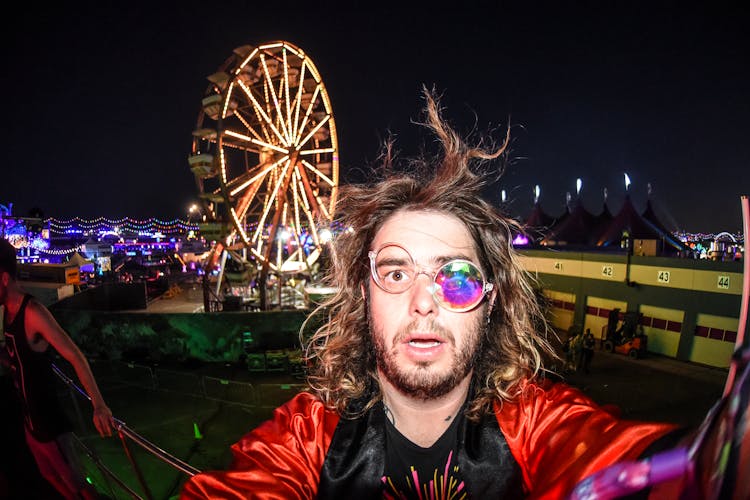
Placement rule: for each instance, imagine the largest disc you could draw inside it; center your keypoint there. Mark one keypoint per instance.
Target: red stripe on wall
(701, 331)
(730, 336)
(661, 324)
(674, 326)
(716, 334)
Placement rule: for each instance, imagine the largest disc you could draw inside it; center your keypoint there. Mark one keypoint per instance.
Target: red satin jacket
(556, 434)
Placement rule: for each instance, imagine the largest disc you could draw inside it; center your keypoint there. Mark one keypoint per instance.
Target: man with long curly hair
(427, 380)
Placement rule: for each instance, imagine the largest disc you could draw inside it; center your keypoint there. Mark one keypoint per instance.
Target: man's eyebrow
(444, 259)
(392, 261)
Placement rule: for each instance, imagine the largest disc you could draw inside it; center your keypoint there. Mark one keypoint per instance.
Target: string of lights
(124, 224)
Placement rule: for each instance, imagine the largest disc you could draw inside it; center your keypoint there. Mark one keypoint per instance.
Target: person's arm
(559, 436)
(41, 321)
(281, 458)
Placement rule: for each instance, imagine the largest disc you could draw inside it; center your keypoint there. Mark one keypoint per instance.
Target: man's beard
(421, 382)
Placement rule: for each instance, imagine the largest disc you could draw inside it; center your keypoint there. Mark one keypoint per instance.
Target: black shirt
(35, 381)
(412, 471)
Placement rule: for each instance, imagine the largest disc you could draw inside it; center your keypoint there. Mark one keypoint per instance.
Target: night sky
(101, 98)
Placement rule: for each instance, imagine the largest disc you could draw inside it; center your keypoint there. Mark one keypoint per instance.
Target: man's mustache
(424, 326)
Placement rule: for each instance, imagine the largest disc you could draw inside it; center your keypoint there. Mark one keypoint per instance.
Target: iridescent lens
(459, 285)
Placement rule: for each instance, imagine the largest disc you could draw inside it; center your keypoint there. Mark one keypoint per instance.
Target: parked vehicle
(629, 338)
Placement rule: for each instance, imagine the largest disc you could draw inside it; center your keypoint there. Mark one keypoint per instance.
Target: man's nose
(422, 301)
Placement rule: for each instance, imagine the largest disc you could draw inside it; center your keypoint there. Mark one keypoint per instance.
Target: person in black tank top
(34, 381)
(30, 334)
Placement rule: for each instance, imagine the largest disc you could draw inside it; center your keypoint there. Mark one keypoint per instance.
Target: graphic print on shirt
(443, 485)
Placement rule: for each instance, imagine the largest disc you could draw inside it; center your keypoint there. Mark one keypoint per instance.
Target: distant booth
(49, 283)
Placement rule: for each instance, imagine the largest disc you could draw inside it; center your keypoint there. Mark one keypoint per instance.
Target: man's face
(422, 349)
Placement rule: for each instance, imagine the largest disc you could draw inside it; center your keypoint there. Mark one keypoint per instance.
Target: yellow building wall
(562, 309)
(662, 326)
(597, 314)
(713, 343)
(668, 277)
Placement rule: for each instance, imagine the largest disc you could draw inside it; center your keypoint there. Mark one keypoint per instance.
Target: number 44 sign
(723, 282)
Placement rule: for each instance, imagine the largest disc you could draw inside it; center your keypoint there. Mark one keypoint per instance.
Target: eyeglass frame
(487, 286)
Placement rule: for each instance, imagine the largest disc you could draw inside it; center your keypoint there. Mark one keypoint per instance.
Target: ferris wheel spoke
(260, 256)
(298, 99)
(240, 183)
(244, 203)
(272, 198)
(274, 97)
(240, 116)
(245, 141)
(312, 200)
(265, 118)
(310, 219)
(308, 113)
(239, 225)
(286, 94)
(323, 208)
(313, 131)
(317, 172)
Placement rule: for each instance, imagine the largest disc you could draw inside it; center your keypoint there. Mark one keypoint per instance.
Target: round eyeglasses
(457, 286)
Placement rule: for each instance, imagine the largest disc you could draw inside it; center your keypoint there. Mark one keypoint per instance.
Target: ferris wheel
(265, 159)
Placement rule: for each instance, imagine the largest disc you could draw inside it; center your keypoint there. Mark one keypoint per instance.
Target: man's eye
(396, 276)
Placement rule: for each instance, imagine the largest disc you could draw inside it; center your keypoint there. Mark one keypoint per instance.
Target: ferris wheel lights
(257, 176)
(261, 111)
(316, 151)
(249, 57)
(278, 117)
(269, 146)
(318, 172)
(325, 235)
(314, 130)
(272, 45)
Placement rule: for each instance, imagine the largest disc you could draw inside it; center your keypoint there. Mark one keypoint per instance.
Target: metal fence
(224, 390)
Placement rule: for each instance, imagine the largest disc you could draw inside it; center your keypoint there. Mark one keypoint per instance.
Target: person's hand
(103, 420)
